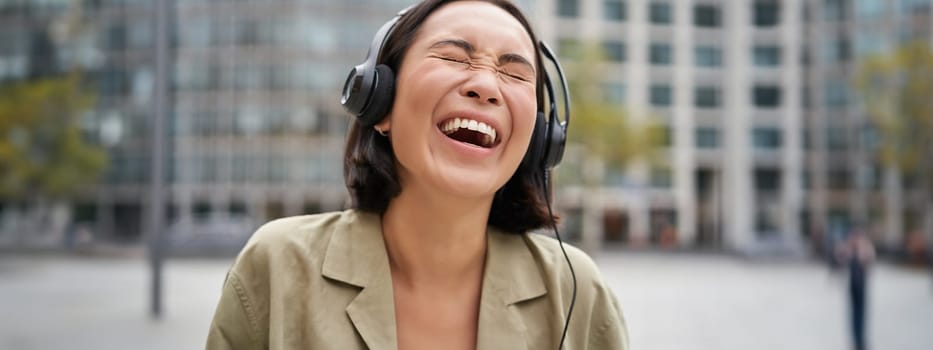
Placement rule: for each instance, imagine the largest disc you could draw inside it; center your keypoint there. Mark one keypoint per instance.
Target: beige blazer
(323, 282)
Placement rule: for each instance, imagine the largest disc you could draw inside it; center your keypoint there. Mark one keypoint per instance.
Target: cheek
(419, 83)
(524, 108)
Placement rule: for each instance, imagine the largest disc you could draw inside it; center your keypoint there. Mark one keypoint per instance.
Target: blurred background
(721, 153)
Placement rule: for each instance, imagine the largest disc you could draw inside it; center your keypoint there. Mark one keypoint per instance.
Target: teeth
(453, 125)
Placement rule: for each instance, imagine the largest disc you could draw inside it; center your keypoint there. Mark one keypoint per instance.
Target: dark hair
(369, 160)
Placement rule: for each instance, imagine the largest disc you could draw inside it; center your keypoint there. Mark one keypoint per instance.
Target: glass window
(278, 169)
(113, 82)
(661, 95)
(874, 177)
(767, 56)
(870, 43)
(182, 78)
(707, 138)
(614, 10)
(259, 169)
(568, 8)
(179, 172)
(916, 6)
(836, 93)
(247, 33)
(205, 169)
(767, 96)
(241, 168)
(767, 179)
(708, 56)
(614, 92)
(836, 139)
(661, 54)
(116, 37)
(249, 77)
(204, 122)
(223, 32)
(12, 41)
(707, 97)
(869, 137)
(767, 13)
(834, 10)
(839, 179)
(836, 51)
(869, 9)
(318, 35)
(766, 138)
(660, 13)
(248, 120)
(706, 16)
(140, 35)
(615, 51)
(661, 177)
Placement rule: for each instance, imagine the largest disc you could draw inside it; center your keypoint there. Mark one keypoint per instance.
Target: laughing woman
(436, 252)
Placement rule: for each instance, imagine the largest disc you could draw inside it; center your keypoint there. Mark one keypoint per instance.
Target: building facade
(768, 148)
(256, 129)
(847, 182)
(763, 130)
(723, 79)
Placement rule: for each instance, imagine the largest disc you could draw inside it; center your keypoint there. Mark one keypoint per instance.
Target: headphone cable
(573, 298)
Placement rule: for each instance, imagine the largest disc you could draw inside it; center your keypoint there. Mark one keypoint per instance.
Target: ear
(385, 124)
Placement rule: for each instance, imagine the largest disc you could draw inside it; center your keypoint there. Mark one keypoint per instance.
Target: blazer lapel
(356, 255)
(511, 277)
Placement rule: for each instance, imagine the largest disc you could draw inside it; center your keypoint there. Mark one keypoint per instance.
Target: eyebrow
(466, 46)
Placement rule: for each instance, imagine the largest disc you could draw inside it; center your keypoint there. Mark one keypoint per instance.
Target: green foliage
(604, 128)
(896, 91)
(42, 152)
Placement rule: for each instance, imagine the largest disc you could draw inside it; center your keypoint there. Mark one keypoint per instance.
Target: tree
(43, 155)
(895, 90)
(604, 134)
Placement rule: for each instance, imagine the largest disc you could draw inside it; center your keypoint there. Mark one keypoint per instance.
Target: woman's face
(465, 102)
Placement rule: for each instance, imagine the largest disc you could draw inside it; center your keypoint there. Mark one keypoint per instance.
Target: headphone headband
(557, 129)
(363, 77)
(369, 91)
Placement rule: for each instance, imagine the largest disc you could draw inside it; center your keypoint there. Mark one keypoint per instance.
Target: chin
(470, 184)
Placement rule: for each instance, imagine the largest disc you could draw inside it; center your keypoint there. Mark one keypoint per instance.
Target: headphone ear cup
(381, 97)
(555, 142)
(534, 156)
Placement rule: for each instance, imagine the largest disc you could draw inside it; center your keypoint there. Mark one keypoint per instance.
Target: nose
(483, 85)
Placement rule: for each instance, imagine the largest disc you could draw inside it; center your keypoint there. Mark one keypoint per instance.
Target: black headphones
(369, 92)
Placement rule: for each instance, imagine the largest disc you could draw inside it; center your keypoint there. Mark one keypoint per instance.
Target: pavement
(670, 301)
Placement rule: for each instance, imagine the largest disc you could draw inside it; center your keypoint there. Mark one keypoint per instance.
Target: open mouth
(469, 131)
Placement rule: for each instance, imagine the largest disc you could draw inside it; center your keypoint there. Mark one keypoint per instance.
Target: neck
(439, 242)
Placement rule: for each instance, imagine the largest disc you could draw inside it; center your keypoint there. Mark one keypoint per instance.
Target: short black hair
(369, 160)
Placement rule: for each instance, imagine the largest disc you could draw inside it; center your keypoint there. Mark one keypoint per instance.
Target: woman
(435, 253)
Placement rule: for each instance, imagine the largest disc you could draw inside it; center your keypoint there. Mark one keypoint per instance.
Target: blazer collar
(356, 255)
(511, 269)
(512, 276)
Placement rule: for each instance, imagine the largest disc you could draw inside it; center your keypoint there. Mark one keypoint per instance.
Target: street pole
(157, 180)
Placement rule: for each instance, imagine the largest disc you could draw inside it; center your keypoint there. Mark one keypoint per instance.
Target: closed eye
(452, 59)
(515, 76)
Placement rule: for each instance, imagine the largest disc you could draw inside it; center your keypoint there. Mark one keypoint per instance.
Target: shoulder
(597, 312)
(550, 255)
(288, 229)
(303, 237)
